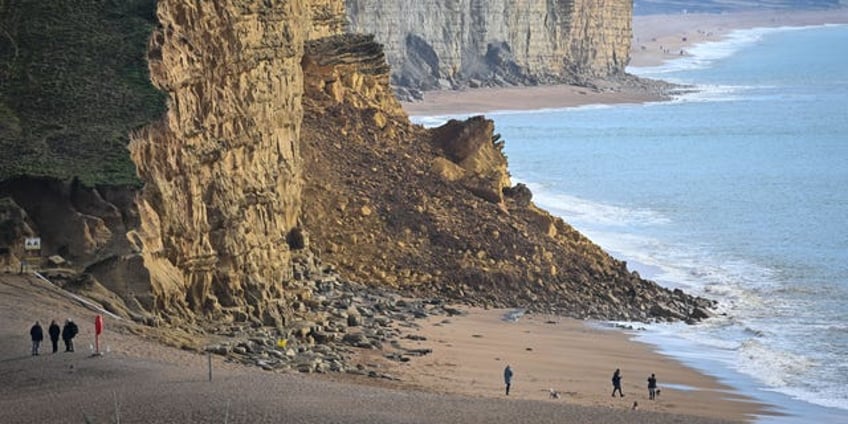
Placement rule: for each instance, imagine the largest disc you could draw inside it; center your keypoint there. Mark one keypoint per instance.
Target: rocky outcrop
(352, 69)
(451, 44)
(473, 157)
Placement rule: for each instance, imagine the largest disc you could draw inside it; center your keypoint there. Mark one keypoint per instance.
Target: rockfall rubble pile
(334, 317)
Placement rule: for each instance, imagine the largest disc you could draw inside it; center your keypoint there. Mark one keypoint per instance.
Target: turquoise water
(738, 192)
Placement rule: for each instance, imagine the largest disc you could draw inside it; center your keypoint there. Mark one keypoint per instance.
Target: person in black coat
(68, 332)
(54, 332)
(37, 335)
(616, 383)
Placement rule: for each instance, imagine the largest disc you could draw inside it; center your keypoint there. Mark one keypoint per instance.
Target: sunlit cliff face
(222, 170)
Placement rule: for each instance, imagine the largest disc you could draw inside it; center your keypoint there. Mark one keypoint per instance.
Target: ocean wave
(775, 368)
(577, 210)
(434, 120)
(715, 93)
(831, 396)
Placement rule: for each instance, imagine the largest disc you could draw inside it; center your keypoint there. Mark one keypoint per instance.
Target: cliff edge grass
(73, 84)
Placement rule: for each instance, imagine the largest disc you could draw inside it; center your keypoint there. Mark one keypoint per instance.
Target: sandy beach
(575, 359)
(138, 380)
(656, 39)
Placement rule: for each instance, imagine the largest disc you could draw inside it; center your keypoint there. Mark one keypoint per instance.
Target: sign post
(98, 328)
(32, 243)
(32, 247)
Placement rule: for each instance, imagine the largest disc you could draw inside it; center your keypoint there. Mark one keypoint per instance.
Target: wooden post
(209, 361)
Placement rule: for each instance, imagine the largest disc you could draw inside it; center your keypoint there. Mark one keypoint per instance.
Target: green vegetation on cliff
(73, 84)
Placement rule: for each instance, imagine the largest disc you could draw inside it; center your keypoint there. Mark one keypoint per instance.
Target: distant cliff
(455, 43)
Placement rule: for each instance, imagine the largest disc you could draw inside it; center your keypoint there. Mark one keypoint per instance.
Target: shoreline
(656, 39)
(661, 36)
(572, 357)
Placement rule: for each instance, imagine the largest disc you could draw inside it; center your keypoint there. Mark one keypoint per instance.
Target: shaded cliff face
(449, 43)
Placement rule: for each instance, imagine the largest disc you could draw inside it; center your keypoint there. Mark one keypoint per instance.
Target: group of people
(68, 332)
(653, 391)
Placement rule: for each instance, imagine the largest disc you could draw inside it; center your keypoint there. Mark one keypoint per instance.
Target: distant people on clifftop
(68, 332)
(507, 378)
(37, 335)
(616, 382)
(652, 387)
(54, 332)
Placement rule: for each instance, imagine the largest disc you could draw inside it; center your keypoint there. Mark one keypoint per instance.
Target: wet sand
(574, 358)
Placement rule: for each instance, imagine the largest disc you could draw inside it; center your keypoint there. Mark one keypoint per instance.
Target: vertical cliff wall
(222, 171)
(452, 43)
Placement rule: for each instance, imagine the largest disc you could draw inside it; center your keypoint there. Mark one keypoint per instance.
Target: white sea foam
(579, 210)
(705, 54)
(433, 121)
(774, 367)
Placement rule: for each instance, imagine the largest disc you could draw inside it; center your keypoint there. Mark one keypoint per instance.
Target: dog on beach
(553, 394)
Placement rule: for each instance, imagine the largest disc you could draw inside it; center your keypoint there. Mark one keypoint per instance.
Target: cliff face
(453, 43)
(222, 171)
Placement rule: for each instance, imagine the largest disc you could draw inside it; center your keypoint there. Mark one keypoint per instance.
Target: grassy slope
(73, 83)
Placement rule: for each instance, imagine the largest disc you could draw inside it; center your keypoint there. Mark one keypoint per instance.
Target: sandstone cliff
(450, 44)
(222, 171)
(282, 140)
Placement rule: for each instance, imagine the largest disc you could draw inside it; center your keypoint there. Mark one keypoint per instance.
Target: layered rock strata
(222, 171)
(450, 44)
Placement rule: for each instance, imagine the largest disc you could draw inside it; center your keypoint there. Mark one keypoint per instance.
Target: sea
(736, 191)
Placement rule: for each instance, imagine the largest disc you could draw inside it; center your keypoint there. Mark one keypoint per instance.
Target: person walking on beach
(616, 382)
(54, 332)
(37, 335)
(652, 387)
(507, 378)
(68, 332)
